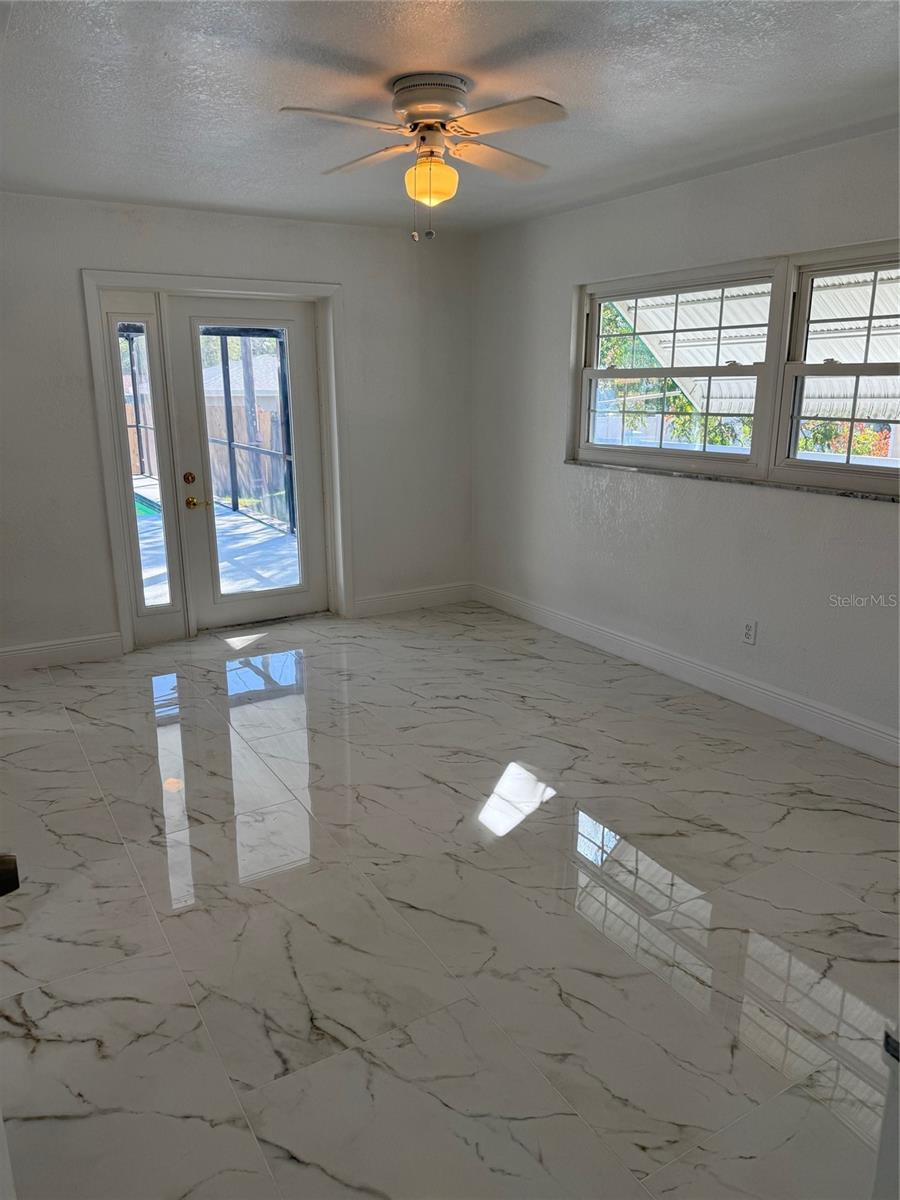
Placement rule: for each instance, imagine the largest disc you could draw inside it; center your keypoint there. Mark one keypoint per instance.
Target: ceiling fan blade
(517, 114)
(383, 126)
(369, 160)
(501, 162)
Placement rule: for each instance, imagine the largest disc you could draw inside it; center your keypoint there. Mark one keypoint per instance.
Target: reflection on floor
(439, 904)
(253, 555)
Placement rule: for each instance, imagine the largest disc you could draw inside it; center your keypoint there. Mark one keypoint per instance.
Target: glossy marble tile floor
(438, 905)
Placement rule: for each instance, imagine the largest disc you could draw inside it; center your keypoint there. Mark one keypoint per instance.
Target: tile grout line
(171, 953)
(360, 878)
(468, 996)
(212, 1045)
(533, 1067)
(829, 883)
(703, 1144)
(517, 1052)
(93, 801)
(364, 879)
(524, 1055)
(60, 979)
(520, 1053)
(359, 874)
(781, 862)
(820, 1041)
(321, 1062)
(192, 824)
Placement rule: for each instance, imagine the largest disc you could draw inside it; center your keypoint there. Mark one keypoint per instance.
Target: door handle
(193, 502)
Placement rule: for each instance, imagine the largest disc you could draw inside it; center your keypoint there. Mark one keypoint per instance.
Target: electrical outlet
(749, 633)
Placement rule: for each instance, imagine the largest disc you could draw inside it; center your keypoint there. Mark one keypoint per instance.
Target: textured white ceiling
(176, 103)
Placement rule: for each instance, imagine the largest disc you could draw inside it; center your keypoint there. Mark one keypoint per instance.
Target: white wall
(676, 563)
(406, 312)
(680, 563)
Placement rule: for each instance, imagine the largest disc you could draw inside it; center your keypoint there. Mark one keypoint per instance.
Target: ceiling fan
(434, 123)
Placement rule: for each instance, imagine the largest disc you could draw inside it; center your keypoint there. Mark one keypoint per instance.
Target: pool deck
(253, 556)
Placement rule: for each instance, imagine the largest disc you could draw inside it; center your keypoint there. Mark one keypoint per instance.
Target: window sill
(711, 477)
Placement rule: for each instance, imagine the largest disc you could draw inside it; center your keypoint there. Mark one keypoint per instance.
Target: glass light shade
(431, 181)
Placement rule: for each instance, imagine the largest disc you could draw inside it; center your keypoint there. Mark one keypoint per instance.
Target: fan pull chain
(429, 232)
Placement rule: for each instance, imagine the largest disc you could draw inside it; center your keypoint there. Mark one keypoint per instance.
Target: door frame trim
(330, 372)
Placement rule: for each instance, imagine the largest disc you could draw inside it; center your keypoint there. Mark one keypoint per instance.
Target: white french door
(220, 491)
(248, 457)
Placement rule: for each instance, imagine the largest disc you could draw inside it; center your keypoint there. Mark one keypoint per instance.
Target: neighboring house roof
(265, 377)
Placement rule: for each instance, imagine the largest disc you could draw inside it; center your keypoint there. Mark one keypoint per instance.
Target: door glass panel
(143, 455)
(249, 439)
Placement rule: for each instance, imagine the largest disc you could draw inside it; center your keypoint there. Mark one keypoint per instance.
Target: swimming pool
(146, 508)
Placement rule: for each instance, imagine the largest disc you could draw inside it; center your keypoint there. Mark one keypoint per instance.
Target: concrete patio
(253, 556)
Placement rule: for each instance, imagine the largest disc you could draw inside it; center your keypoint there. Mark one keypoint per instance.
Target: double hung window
(784, 370)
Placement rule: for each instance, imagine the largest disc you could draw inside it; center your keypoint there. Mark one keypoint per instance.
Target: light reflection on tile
(812, 952)
(695, 853)
(279, 839)
(647, 1071)
(517, 794)
(624, 917)
(671, 905)
(616, 859)
(165, 761)
(259, 693)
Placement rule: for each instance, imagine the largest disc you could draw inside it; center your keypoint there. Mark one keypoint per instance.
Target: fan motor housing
(433, 97)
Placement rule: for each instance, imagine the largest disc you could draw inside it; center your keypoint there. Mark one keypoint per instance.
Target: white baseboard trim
(827, 722)
(426, 597)
(94, 648)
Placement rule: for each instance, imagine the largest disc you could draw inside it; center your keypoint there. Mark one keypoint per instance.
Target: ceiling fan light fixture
(433, 119)
(431, 181)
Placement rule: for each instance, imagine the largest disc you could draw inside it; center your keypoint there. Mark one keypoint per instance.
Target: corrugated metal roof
(841, 310)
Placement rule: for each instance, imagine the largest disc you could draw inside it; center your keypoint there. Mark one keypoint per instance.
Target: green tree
(830, 436)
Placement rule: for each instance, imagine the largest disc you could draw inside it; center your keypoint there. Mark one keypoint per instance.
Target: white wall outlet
(749, 633)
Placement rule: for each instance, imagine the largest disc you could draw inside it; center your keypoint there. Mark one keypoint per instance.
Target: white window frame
(752, 465)
(841, 477)
(769, 459)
